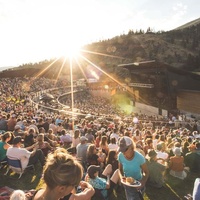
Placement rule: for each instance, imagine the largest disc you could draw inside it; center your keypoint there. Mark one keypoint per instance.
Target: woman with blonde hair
(104, 144)
(92, 156)
(76, 138)
(62, 173)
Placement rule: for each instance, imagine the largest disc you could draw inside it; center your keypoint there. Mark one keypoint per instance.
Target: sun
(70, 49)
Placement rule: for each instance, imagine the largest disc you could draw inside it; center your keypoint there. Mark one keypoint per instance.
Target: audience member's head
(18, 195)
(61, 169)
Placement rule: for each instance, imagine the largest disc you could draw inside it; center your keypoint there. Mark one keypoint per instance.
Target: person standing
(132, 164)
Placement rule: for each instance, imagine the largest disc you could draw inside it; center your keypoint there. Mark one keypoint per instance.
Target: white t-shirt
(114, 135)
(162, 155)
(19, 153)
(113, 146)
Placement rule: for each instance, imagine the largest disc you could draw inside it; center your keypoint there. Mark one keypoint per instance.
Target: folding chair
(15, 165)
(3, 163)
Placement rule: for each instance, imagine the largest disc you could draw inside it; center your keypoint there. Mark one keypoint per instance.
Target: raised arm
(87, 193)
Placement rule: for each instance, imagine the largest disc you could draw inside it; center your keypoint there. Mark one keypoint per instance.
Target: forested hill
(179, 48)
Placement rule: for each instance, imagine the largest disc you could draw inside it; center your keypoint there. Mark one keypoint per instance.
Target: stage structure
(162, 86)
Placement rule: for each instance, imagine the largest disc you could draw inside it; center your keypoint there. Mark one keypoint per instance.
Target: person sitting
(81, 151)
(156, 170)
(176, 164)
(192, 159)
(29, 137)
(62, 173)
(17, 131)
(148, 145)
(92, 156)
(76, 138)
(65, 139)
(4, 145)
(105, 185)
(43, 145)
(112, 160)
(113, 144)
(161, 153)
(104, 144)
(26, 157)
(51, 136)
(18, 195)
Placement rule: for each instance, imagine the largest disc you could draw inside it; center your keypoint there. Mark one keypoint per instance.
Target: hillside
(179, 48)
(189, 24)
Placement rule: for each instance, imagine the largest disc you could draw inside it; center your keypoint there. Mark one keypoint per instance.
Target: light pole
(72, 92)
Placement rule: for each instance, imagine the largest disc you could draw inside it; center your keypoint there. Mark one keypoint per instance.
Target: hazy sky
(34, 30)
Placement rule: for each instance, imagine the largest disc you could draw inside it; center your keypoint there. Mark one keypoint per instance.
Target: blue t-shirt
(99, 183)
(132, 168)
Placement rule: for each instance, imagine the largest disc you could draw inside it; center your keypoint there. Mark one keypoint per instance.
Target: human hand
(84, 184)
(35, 147)
(87, 178)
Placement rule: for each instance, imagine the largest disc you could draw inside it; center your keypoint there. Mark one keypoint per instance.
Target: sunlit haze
(33, 31)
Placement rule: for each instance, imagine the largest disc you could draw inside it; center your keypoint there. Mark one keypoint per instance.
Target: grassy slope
(174, 189)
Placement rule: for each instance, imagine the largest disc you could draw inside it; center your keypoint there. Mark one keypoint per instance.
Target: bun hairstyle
(6, 135)
(62, 169)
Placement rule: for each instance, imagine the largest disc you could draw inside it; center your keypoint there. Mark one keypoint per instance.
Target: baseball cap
(92, 169)
(124, 143)
(83, 138)
(17, 127)
(17, 139)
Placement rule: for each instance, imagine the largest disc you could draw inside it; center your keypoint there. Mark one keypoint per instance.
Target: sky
(35, 30)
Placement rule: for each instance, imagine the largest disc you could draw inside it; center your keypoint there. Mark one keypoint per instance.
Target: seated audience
(192, 159)
(176, 164)
(92, 156)
(156, 170)
(112, 160)
(81, 151)
(65, 139)
(26, 157)
(43, 145)
(105, 185)
(113, 144)
(62, 173)
(29, 137)
(104, 144)
(4, 145)
(18, 195)
(161, 153)
(76, 138)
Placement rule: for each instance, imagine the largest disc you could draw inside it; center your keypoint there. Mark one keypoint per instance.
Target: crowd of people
(90, 155)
